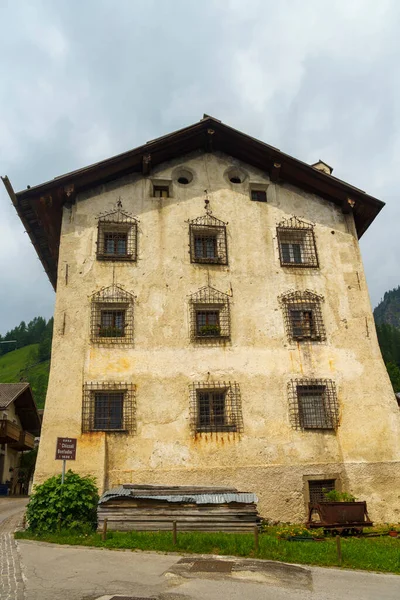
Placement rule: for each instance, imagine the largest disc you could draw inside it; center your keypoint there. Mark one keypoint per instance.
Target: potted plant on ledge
(209, 331)
(109, 332)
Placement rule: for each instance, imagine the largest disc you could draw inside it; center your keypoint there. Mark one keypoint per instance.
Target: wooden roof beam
(275, 172)
(146, 164)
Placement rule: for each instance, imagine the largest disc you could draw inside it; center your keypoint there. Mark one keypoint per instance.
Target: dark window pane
(296, 249)
(205, 246)
(312, 409)
(291, 252)
(207, 323)
(115, 243)
(108, 410)
(121, 245)
(112, 323)
(218, 405)
(211, 411)
(204, 410)
(161, 191)
(302, 322)
(259, 195)
(285, 252)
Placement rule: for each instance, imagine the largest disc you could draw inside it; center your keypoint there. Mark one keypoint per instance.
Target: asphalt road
(50, 572)
(10, 507)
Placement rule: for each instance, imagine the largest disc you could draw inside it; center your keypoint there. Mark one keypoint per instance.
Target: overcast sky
(85, 79)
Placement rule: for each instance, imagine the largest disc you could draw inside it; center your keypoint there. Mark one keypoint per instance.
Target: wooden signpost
(65, 450)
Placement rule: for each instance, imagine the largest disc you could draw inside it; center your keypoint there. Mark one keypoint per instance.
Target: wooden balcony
(26, 441)
(13, 435)
(9, 432)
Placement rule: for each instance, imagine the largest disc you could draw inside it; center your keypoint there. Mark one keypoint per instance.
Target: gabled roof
(40, 207)
(21, 395)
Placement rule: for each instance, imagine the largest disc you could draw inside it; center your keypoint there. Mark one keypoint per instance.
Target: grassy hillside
(24, 365)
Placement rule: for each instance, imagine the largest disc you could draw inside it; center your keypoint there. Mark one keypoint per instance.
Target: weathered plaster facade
(269, 457)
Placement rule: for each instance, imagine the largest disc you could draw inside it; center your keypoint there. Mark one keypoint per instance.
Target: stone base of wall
(283, 490)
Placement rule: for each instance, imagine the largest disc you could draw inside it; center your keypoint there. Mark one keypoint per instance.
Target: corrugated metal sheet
(200, 498)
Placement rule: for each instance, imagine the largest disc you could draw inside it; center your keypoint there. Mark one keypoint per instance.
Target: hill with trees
(29, 358)
(387, 320)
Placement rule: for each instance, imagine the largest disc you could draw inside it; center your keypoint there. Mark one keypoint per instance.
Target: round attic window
(235, 175)
(183, 176)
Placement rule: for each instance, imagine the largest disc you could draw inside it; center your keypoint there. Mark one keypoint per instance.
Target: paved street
(40, 571)
(11, 582)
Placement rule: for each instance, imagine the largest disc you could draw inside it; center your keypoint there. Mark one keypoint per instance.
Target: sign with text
(66, 449)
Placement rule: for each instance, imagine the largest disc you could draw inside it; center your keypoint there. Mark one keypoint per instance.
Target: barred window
(117, 236)
(313, 404)
(215, 407)
(108, 406)
(208, 240)
(296, 242)
(318, 488)
(112, 316)
(303, 316)
(209, 316)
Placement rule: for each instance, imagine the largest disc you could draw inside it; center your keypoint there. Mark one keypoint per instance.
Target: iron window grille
(111, 319)
(215, 406)
(108, 406)
(208, 243)
(318, 488)
(209, 316)
(303, 316)
(296, 242)
(313, 404)
(117, 236)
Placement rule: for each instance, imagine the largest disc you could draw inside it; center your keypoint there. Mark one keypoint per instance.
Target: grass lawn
(373, 554)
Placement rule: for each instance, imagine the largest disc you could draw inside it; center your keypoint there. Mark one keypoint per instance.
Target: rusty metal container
(338, 515)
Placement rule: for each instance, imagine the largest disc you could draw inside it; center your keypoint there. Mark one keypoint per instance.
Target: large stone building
(213, 324)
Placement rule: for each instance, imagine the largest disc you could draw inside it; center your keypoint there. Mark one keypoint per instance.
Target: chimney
(323, 167)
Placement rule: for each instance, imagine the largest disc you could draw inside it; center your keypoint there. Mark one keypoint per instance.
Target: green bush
(71, 505)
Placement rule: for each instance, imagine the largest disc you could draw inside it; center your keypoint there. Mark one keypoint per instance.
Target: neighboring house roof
(21, 395)
(40, 207)
(179, 494)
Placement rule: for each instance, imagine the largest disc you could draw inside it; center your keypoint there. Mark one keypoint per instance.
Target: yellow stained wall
(270, 457)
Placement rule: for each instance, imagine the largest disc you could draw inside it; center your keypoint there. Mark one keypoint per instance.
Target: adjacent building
(19, 424)
(213, 324)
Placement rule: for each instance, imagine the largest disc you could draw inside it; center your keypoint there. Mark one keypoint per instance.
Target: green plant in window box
(111, 332)
(209, 331)
(336, 496)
